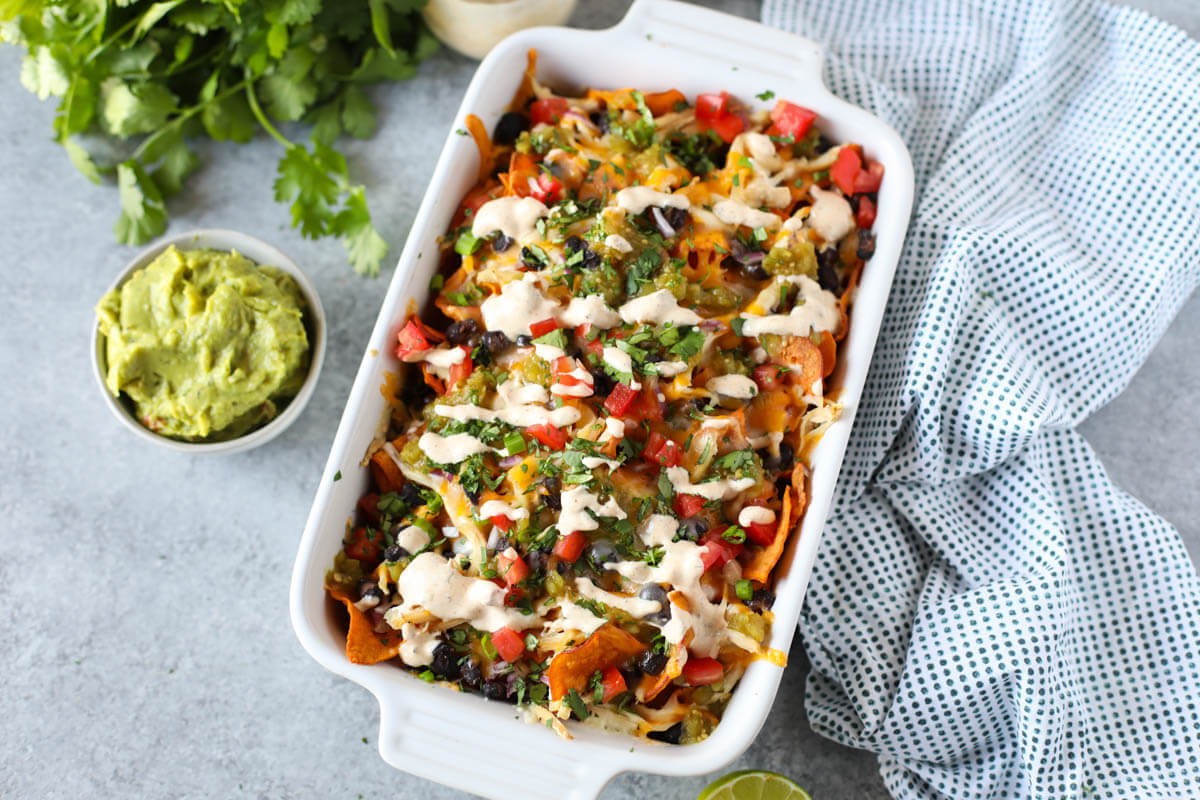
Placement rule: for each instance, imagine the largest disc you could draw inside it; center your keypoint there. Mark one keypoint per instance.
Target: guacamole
(205, 343)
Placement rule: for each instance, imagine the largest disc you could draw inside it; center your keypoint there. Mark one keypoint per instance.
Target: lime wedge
(753, 784)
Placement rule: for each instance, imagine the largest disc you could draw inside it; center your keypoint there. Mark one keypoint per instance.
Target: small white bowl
(259, 252)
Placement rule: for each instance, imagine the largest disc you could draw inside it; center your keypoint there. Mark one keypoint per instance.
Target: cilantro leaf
(363, 243)
(358, 113)
(143, 215)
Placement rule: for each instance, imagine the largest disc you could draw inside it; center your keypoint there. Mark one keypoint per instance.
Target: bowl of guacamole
(211, 341)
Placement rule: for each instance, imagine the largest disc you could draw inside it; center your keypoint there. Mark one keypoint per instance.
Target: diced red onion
(508, 462)
(664, 227)
(710, 325)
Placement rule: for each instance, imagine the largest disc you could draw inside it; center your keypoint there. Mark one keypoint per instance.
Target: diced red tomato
(552, 437)
(767, 377)
(591, 345)
(501, 521)
(711, 106)
(368, 504)
(864, 217)
(477, 197)
(542, 328)
(620, 399)
(715, 551)
(411, 341)
(869, 179)
(688, 505)
(512, 596)
(548, 110)
(760, 532)
(548, 189)
(365, 546)
(463, 369)
(792, 120)
(613, 683)
(662, 451)
(702, 671)
(727, 127)
(648, 406)
(508, 644)
(512, 568)
(846, 169)
(570, 547)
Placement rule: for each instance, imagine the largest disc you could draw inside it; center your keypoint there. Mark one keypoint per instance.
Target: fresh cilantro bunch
(154, 75)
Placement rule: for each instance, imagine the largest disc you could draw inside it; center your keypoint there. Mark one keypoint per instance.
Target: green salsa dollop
(205, 343)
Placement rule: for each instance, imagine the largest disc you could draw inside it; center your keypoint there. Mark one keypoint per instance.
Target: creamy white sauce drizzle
(622, 362)
(658, 529)
(815, 310)
(637, 199)
(431, 582)
(515, 217)
(521, 416)
(574, 617)
(450, 449)
(614, 428)
(830, 216)
(590, 310)
(669, 369)
(497, 508)
(418, 644)
(737, 386)
(656, 308)
(615, 241)
(576, 503)
(439, 357)
(710, 490)
(637, 607)
(519, 304)
(592, 462)
(412, 538)
(735, 212)
(755, 515)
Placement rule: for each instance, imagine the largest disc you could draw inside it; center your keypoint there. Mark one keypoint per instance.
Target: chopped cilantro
(575, 702)
(765, 95)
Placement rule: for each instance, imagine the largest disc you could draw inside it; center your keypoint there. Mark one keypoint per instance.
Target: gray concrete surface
(146, 645)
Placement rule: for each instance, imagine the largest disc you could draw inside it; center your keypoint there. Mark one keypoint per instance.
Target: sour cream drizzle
(637, 199)
(710, 490)
(431, 582)
(735, 212)
(738, 386)
(576, 503)
(450, 449)
(515, 217)
(657, 308)
(815, 310)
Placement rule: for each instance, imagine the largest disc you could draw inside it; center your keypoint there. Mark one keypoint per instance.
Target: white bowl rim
(262, 253)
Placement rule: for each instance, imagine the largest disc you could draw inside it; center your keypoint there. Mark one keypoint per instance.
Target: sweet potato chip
(761, 564)
(363, 645)
(804, 357)
(386, 473)
(605, 648)
(828, 347)
(652, 685)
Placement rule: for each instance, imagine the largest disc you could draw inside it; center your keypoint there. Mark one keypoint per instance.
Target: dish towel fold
(989, 613)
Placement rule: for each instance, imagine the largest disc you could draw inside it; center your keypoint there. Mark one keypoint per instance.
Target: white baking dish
(460, 739)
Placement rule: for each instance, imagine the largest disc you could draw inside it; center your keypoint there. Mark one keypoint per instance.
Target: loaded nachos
(596, 449)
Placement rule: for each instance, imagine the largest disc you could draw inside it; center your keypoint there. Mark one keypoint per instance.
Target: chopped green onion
(744, 589)
(467, 243)
(514, 443)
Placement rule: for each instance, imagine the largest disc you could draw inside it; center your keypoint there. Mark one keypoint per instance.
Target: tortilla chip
(652, 685)
(363, 645)
(605, 648)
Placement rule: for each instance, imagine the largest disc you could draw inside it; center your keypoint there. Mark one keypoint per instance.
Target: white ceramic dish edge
(259, 252)
(458, 739)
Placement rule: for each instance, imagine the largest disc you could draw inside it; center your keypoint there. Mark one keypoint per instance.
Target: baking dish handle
(715, 35)
(518, 766)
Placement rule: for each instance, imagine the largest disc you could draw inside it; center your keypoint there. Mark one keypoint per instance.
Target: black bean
(602, 383)
(671, 735)
(777, 463)
(676, 217)
(509, 127)
(761, 600)
(573, 243)
(692, 528)
(752, 270)
(470, 673)
(866, 245)
(445, 662)
(600, 120)
(410, 493)
(824, 143)
(827, 274)
(461, 331)
(652, 591)
(371, 590)
(552, 494)
(496, 341)
(395, 553)
(500, 242)
(524, 340)
(416, 393)
(562, 567)
(536, 560)
(652, 663)
(591, 259)
(602, 552)
(495, 689)
(531, 260)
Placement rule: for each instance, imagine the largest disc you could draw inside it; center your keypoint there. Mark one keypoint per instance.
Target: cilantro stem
(252, 99)
(183, 117)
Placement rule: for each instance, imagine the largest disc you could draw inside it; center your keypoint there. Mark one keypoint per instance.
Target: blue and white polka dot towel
(989, 613)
